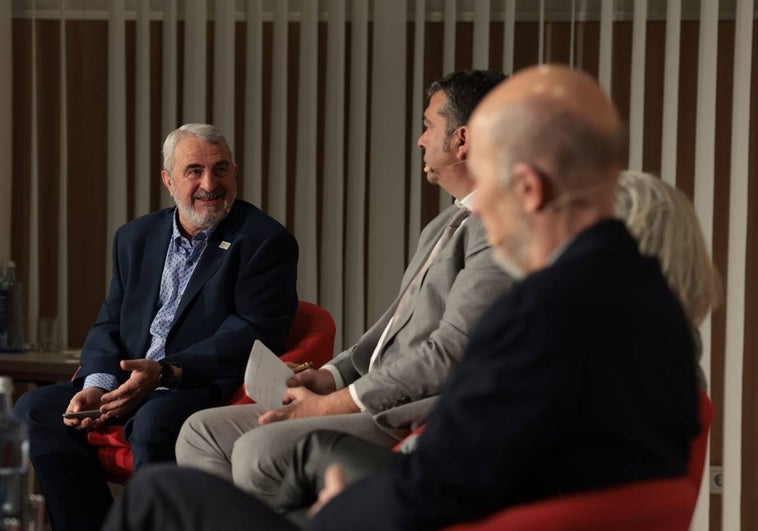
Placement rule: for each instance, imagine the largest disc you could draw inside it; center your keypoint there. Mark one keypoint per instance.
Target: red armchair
(700, 443)
(311, 338)
(655, 505)
(566, 513)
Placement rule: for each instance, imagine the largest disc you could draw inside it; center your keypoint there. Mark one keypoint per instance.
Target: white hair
(205, 132)
(665, 224)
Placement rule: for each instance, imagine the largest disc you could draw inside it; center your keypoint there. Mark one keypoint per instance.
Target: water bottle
(14, 459)
(15, 309)
(4, 313)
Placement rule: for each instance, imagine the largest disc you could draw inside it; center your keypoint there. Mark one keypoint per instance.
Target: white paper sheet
(266, 377)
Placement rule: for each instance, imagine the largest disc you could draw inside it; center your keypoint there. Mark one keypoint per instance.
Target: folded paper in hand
(266, 377)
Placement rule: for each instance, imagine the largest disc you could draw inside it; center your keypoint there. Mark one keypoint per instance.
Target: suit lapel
(425, 246)
(418, 262)
(429, 237)
(211, 260)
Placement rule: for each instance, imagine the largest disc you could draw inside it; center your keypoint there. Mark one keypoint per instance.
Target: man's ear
(166, 178)
(460, 141)
(531, 189)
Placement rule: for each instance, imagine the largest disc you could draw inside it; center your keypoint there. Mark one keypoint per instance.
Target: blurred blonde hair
(664, 222)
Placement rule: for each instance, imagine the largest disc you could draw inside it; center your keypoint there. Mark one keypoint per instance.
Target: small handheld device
(300, 368)
(88, 414)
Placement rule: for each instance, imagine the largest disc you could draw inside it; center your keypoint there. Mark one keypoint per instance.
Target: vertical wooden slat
(541, 34)
(195, 39)
(87, 59)
(736, 272)
(277, 177)
(355, 263)
(170, 93)
(21, 139)
(116, 178)
(705, 132)
(417, 110)
(700, 519)
(32, 296)
(450, 19)
(253, 176)
(637, 95)
(450, 23)
(62, 312)
(509, 33)
(386, 165)
(750, 368)
(333, 211)
(142, 173)
(305, 167)
(572, 37)
(6, 131)
(705, 143)
(48, 168)
(671, 91)
(606, 44)
(223, 69)
(481, 57)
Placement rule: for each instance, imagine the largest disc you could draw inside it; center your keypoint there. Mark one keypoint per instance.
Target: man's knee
(259, 459)
(44, 405)
(245, 451)
(25, 405)
(357, 457)
(192, 438)
(152, 433)
(303, 478)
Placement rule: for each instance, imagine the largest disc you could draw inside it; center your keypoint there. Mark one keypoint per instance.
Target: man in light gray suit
(387, 383)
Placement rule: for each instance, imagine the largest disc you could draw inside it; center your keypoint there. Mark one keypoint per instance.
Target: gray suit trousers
(228, 442)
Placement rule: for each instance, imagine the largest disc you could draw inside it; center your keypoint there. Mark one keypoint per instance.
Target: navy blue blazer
(242, 289)
(583, 376)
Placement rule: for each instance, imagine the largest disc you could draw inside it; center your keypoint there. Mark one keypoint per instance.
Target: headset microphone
(429, 169)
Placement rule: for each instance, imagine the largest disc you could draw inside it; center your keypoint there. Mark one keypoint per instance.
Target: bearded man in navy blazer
(192, 288)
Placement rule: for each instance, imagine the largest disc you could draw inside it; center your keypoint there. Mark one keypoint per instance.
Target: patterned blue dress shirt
(181, 258)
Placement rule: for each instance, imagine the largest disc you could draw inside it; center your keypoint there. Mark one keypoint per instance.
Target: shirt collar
(466, 202)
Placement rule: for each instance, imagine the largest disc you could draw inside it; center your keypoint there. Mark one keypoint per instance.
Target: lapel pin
(224, 245)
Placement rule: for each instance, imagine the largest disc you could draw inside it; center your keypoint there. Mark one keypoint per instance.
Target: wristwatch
(167, 375)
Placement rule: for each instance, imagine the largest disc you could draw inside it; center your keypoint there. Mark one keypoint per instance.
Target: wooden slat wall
(268, 101)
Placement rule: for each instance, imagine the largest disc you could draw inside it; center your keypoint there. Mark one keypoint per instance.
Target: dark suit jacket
(238, 293)
(581, 377)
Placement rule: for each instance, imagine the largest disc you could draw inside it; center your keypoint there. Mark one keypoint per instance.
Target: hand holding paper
(266, 377)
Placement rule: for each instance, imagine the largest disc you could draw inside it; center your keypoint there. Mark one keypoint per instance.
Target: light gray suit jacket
(429, 339)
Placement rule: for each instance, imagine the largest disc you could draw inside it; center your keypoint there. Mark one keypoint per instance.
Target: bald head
(546, 146)
(557, 119)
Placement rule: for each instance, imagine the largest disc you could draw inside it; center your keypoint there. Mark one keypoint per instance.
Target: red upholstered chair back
(311, 338)
(530, 517)
(656, 505)
(700, 443)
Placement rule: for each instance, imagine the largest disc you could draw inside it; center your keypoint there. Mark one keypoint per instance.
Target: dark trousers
(73, 483)
(169, 498)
